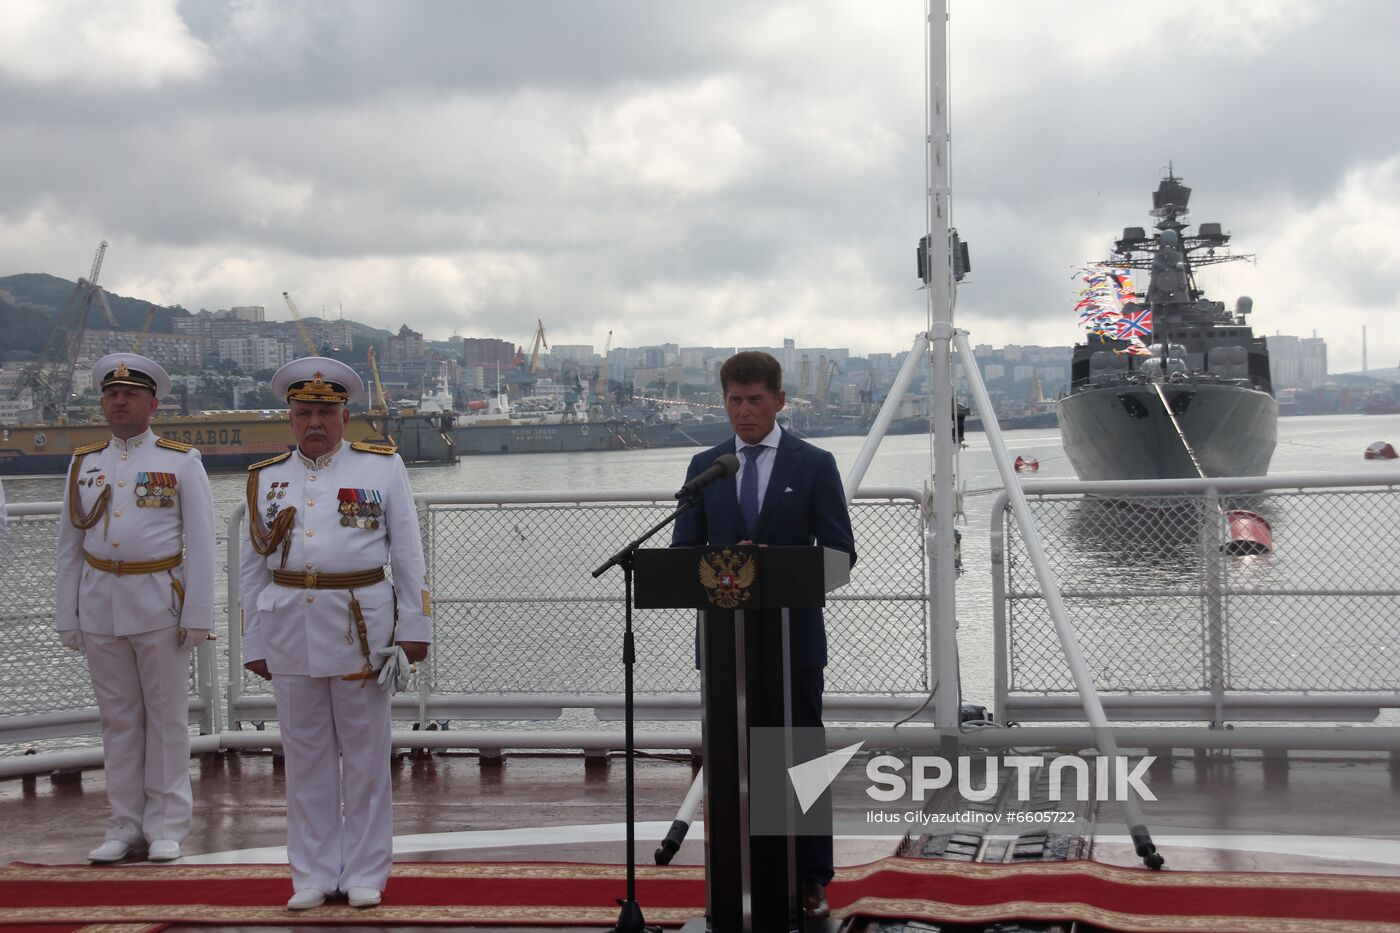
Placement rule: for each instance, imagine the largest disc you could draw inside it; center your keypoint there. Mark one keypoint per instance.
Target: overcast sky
(712, 173)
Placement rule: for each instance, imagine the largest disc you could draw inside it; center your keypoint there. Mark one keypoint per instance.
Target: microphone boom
(724, 465)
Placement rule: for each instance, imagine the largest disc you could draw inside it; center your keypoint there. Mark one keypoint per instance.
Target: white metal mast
(940, 332)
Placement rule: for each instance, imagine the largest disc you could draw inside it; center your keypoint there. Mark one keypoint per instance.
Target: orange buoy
(1027, 463)
(1380, 450)
(1249, 533)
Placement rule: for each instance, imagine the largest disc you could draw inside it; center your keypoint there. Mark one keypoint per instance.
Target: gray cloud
(712, 173)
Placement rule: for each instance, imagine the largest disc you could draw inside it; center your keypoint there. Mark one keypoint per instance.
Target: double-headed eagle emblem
(727, 577)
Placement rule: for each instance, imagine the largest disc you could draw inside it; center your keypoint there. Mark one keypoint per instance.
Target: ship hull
(1122, 431)
(544, 438)
(704, 434)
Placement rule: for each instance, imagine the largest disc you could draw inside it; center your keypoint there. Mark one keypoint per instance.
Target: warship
(1172, 385)
(539, 425)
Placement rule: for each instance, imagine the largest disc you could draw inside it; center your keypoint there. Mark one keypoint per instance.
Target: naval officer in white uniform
(135, 592)
(319, 617)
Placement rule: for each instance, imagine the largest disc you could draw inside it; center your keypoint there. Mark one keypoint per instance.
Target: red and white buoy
(1027, 463)
(1380, 450)
(1249, 533)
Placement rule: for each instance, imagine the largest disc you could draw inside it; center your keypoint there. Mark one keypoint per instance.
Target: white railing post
(235, 616)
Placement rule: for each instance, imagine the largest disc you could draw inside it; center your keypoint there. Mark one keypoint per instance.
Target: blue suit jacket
(804, 504)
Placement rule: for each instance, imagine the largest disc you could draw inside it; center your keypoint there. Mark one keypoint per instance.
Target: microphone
(725, 465)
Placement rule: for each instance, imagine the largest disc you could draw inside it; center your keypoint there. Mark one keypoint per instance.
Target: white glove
(72, 638)
(393, 676)
(191, 637)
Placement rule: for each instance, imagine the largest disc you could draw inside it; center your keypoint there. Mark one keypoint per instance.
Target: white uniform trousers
(142, 687)
(336, 734)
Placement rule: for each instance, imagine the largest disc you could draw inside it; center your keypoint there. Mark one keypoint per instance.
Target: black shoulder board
(270, 461)
(173, 445)
(367, 447)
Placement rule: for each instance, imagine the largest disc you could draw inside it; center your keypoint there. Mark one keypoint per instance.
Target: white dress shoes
(362, 897)
(305, 900)
(113, 850)
(163, 850)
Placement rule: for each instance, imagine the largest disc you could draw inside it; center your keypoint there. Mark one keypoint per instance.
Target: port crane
(538, 342)
(826, 375)
(50, 378)
(301, 326)
(600, 380)
(146, 329)
(378, 386)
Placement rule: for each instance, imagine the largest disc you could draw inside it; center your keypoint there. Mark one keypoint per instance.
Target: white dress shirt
(764, 462)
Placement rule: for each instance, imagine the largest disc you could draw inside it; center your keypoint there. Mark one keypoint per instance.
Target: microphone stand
(629, 918)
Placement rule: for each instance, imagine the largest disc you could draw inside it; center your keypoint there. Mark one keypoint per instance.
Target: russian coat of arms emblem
(727, 577)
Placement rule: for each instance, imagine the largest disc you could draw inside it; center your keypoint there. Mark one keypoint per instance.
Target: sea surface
(1312, 444)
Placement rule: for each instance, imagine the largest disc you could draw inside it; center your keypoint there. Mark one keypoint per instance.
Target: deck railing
(522, 633)
(1175, 626)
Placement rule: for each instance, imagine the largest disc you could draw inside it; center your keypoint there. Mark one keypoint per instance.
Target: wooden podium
(746, 651)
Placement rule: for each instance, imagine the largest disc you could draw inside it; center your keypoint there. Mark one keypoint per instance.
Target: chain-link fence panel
(1322, 612)
(1164, 597)
(517, 610)
(37, 674)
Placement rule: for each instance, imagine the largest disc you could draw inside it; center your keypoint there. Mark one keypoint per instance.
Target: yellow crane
(301, 327)
(378, 386)
(538, 342)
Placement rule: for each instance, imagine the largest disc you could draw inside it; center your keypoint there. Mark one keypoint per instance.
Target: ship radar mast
(1173, 254)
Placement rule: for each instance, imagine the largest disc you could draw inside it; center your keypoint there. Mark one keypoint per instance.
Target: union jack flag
(1135, 324)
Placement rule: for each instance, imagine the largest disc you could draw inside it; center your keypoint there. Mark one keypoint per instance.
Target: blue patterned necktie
(748, 487)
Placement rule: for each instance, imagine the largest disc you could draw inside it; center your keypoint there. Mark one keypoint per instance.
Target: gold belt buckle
(117, 567)
(310, 580)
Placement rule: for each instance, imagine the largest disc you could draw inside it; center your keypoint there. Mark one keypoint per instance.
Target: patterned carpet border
(141, 899)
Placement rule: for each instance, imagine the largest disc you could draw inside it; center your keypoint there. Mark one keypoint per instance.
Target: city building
(487, 351)
(173, 351)
(1297, 362)
(404, 347)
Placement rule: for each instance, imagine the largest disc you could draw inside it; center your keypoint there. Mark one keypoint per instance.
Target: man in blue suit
(787, 493)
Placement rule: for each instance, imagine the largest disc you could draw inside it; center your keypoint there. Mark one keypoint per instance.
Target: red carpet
(60, 898)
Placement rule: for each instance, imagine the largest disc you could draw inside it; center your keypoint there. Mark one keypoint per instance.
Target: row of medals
(360, 514)
(275, 491)
(155, 497)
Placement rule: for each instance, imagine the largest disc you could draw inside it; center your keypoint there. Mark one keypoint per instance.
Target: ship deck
(453, 806)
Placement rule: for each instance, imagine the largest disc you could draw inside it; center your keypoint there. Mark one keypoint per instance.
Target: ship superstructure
(1172, 384)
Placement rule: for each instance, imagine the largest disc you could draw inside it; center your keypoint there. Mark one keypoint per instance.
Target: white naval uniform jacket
(309, 631)
(137, 527)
